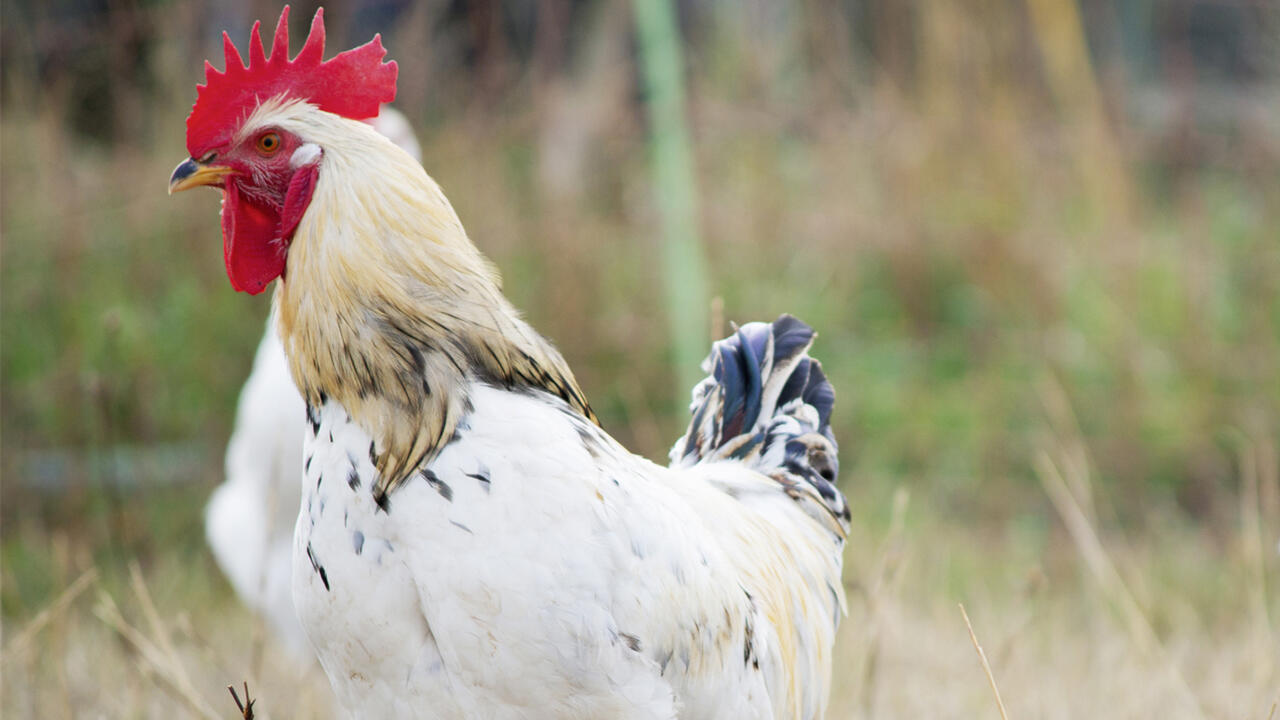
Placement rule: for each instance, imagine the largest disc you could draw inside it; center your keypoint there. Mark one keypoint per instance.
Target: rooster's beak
(191, 173)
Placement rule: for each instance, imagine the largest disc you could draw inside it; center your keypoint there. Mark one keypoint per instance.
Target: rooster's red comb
(354, 84)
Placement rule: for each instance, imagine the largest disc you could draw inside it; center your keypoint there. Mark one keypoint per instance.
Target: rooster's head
(248, 136)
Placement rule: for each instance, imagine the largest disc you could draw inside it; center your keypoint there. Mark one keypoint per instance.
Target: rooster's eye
(268, 144)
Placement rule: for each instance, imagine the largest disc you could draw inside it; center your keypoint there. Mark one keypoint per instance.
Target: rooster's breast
(485, 586)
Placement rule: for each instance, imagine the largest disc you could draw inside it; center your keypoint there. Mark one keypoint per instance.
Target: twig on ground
(986, 667)
(246, 707)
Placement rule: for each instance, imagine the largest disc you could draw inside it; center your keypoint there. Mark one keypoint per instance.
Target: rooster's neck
(389, 309)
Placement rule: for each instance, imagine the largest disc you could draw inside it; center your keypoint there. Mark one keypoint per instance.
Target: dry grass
(1073, 634)
(1058, 633)
(1056, 639)
(94, 661)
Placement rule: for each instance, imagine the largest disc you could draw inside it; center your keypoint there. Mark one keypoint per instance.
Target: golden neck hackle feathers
(387, 307)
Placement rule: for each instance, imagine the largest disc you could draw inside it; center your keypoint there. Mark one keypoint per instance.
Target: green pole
(683, 264)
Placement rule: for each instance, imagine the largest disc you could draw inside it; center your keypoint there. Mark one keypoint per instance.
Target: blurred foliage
(975, 204)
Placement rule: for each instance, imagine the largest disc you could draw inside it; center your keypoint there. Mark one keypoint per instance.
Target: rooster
(470, 542)
(250, 517)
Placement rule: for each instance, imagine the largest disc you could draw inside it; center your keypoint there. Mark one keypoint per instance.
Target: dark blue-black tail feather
(767, 404)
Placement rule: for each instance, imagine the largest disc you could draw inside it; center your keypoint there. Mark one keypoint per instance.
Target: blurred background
(1038, 239)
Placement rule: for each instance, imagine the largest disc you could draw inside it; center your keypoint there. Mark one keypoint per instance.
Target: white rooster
(250, 517)
(470, 543)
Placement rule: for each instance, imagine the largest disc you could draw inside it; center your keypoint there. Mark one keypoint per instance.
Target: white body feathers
(544, 572)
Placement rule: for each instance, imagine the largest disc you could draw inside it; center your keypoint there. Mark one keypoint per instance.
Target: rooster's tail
(767, 404)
